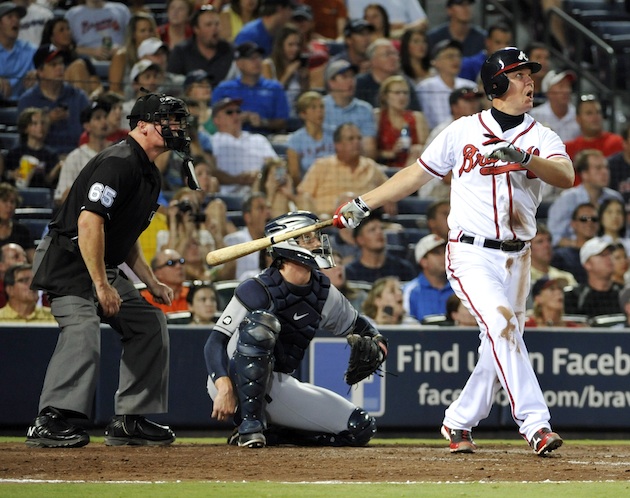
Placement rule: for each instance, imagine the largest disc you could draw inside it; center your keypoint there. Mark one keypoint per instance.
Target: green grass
(275, 490)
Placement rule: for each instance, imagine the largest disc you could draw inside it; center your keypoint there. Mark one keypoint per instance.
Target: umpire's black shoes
(135, 430)
(51, 429)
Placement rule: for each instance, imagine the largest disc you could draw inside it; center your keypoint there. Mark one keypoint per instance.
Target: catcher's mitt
(366, 356)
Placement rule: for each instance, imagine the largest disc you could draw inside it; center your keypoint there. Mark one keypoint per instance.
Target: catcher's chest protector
(299, 315)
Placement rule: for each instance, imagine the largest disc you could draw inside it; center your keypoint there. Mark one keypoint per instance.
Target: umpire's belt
(503, 245)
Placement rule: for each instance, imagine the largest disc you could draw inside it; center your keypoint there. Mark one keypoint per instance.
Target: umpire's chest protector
(299, 310)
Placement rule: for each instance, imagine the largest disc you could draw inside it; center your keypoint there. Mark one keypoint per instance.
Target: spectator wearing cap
(428, 292)
(115, 133)
(205, 49)
(94, 121)
(141, 27)
(16, 56)
(433, 92)
(235, 15)
(274, 14)
(384, 63)
(155, 50)
(558, 112)
(62, 101)
(548, 305)
(98, 27)
(600, 294)
(144, 75)
(310, 142)
(240, 155)
(356, 37)
(265, 104)
(32, 124)
(341, 106)
(329, 17)
(402, 14)
(177, 28)
(499, 36)
(198, 88)
(459, 27)
(374, 261)
(314, 48)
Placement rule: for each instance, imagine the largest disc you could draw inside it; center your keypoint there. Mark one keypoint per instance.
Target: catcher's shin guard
(253, 363)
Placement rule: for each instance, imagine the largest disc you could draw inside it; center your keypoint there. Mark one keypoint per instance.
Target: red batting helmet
(506, 60)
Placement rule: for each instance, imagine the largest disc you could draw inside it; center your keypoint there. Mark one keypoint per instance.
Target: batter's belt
(502, 245)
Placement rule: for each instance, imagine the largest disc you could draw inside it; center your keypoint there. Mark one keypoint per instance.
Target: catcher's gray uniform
(300, 311)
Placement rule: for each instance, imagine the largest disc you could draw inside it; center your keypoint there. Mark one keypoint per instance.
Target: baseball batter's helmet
(319, 257)
(506, 60)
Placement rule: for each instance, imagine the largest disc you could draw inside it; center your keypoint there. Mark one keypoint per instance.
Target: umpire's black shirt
(121, 185)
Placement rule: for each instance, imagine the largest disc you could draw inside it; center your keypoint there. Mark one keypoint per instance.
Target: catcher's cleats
(545, 441)
(135, 430)
(51, 429)
(254, 440)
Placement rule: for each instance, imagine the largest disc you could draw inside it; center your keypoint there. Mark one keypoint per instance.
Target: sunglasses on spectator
(229, 112)
(171, 262)
(585, 219)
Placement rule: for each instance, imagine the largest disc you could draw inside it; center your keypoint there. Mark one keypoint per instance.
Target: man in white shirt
(434, 91)
(558, 113)
(94, 121)
(239, 155)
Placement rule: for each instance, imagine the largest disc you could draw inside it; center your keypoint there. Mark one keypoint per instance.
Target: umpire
(109, 205)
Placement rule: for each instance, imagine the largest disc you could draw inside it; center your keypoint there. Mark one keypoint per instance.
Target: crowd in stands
(298, 104)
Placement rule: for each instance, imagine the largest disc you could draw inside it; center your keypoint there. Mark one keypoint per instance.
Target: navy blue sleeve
(215, 352)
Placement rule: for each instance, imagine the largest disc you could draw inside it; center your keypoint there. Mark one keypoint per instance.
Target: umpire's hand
(162, 293)
(109, 299)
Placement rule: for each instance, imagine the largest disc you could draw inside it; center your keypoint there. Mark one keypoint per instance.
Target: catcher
(260, 340)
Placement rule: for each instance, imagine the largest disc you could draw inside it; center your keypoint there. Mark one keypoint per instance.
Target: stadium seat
(36, 197)
(36, 227)
(33, 212)
(414, 205)
(9, 115)
(9, 139)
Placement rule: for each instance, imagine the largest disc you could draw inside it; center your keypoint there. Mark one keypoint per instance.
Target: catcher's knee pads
(253, 363)
(361, 428)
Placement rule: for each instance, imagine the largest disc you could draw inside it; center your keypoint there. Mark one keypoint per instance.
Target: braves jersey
(490, 197)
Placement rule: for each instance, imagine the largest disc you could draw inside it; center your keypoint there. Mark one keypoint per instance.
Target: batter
(499, 159)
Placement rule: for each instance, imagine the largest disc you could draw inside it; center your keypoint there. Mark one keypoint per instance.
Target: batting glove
(512, 154)
(350, 214)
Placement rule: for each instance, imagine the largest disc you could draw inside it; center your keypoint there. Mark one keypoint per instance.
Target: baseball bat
(225, 254)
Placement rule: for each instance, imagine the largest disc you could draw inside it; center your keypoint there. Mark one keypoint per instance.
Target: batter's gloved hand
(367, 354)
(350, 214)
(512, 154)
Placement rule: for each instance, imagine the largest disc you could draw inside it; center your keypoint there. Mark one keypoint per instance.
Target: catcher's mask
(311, 249)
(494, 69)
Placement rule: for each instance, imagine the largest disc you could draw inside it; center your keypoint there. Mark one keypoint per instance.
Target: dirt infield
(375, 463)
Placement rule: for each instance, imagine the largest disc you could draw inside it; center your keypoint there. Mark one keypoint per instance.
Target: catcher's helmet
(320, 257)
(506, 60)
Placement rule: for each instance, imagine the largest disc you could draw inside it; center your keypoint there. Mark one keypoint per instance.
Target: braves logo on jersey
(473, 158)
